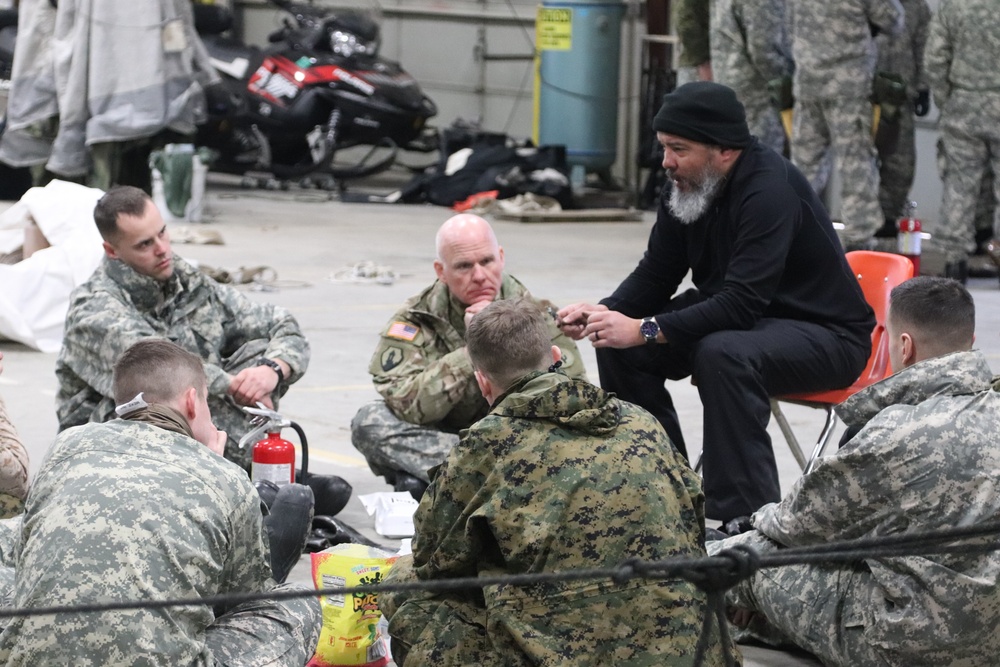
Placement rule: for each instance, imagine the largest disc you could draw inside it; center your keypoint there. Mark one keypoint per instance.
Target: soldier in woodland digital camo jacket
(560, 475)
(421, 367)
(927, 458)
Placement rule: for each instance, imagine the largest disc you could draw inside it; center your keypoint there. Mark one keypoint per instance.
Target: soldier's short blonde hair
(508, 339)
(158, 368)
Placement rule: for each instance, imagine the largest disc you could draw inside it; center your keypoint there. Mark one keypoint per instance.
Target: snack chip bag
(350, 636)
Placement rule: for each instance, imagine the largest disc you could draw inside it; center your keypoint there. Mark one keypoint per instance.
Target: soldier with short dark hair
(421, 366)
(250, 351)
(145, 507)
(926, 458)
(559, 475)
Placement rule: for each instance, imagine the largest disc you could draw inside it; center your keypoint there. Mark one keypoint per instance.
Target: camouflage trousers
(823, 609)
(391, 444)
(267, 633)
(435, 629)
(843, 125)
(10, 531)
(896, 168)
(641, 625)
(763, 119)
(969, 148)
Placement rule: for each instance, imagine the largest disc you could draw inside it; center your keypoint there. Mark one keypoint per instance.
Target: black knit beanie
(706, 112)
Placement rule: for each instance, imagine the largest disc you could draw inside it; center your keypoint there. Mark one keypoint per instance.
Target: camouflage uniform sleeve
(420, 386)
(447, 543)
(768, 42)
(692, 29)
(886, 15)
(13, 464)
(938, 55)
(920, 19)
(248, 566)
(248, 320)
(845, 496)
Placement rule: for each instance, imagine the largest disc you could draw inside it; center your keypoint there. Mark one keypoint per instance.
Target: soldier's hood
(952, 374)
(554, 397)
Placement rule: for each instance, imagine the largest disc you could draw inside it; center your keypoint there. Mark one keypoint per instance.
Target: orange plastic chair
(878, 273)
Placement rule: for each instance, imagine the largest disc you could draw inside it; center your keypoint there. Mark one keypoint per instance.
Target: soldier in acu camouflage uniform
(13, 466)
(834, 54)
(903, 55)
(142, 508)
(750, 48)
(926, 458)
(421, 367)
(251, 351)
(963, 48)
(559, 475)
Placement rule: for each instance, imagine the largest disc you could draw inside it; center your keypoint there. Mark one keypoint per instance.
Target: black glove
(874, 29)
(922, 103)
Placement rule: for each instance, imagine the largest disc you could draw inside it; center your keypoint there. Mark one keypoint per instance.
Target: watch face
(649, 329)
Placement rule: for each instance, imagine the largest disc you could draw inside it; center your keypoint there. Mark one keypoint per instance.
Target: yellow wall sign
(554, 29)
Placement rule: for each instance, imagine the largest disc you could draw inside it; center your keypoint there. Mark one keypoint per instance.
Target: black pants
(736, 372)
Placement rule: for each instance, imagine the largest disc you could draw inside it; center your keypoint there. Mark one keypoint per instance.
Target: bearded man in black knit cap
(775, 307)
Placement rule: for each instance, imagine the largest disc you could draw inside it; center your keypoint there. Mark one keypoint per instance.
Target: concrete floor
(307, 239)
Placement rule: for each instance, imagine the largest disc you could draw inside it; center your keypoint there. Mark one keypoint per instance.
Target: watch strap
(264, 361)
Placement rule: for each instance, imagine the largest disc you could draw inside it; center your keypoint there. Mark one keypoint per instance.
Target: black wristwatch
(649, 330)
(274, 366)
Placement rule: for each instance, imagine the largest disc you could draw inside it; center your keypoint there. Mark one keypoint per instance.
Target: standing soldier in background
(834, 51)
(750, 48)
(903, 55)
(962, 49)
(695, 61)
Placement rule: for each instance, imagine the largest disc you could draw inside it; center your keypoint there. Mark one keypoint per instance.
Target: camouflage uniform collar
(145, 292)
(948, 375)
(555, 397)
(162, 416)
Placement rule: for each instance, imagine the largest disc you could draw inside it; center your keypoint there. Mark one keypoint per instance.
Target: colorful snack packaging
(351, 636)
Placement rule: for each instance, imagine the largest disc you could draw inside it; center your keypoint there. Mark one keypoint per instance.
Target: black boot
(287, 527)
(407, 482)
(334, 531)
(331, 492)
(958, 270)
(267, 490)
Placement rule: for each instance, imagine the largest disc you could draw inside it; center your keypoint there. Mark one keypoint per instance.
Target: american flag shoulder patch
(402, 331)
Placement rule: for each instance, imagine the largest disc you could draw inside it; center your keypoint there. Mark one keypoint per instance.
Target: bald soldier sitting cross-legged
(421, 366)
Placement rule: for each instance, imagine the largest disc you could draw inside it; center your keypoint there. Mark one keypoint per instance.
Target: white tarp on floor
(34, 293)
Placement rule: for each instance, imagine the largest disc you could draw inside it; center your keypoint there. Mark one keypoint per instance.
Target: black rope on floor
(712, 574)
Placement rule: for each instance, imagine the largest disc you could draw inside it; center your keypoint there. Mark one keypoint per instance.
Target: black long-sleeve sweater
(765, 248)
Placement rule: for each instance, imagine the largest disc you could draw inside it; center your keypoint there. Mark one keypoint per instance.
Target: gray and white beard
(689, 206)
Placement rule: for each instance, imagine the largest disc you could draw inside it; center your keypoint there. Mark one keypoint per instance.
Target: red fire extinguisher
(273, 457)
(908, 238)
